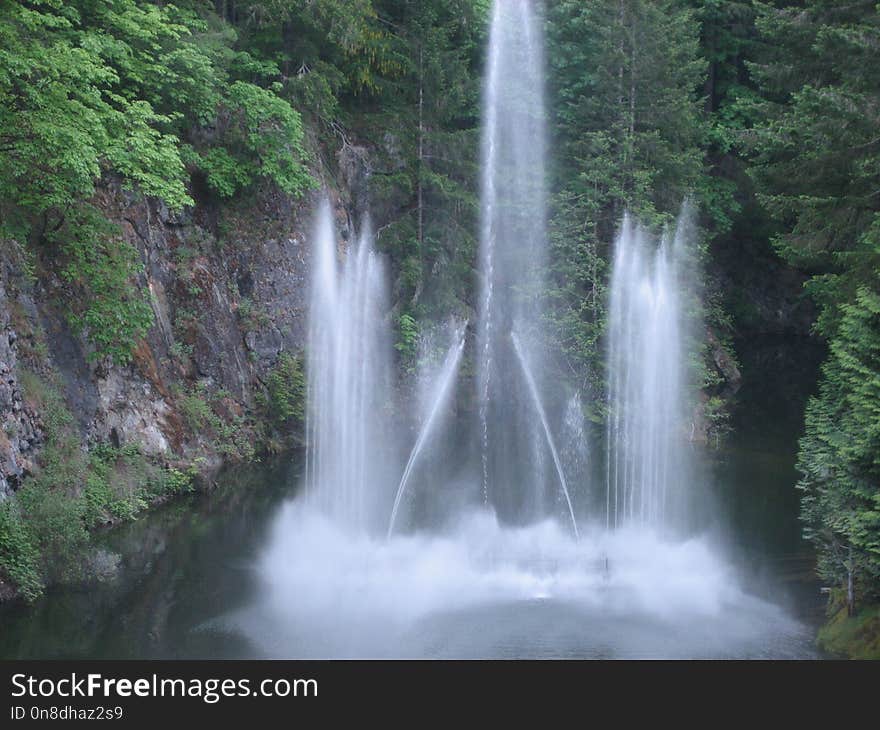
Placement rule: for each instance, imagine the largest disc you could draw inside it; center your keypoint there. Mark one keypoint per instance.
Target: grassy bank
(854, 637)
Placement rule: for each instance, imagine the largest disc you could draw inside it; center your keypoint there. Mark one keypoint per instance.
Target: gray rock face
(131, 411)
(279, 283)
(218, 349)
(20, 433)
(355, 170)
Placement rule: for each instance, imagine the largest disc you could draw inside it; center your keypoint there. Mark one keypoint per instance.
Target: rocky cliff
(228, 290)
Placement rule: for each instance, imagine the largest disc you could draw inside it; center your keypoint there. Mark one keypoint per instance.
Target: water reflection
(181, 563)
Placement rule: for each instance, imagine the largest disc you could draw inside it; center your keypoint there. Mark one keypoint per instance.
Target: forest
(764, 115)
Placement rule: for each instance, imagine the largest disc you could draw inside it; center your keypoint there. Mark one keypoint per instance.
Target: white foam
(329, 592)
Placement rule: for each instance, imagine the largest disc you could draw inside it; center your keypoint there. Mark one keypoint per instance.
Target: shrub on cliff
(285, 398)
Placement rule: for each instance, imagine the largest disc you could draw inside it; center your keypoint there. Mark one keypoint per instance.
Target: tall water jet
(512, 262)
(435, 397)
(348, 378)
(647, 455)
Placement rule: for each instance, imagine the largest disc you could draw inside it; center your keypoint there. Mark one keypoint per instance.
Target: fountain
(348, 379)
(513, 249)
(520, 463)
(512, 580)
(646, 453)
(349, 357)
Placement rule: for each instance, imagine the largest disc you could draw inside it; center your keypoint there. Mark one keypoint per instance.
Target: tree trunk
(419, 188)
(421, 149)
(620, 98)
(850, 588)
(632, 104)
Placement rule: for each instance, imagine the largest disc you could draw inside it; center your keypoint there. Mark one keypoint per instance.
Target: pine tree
(840, 453)
(817, 164)
(816, 147)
